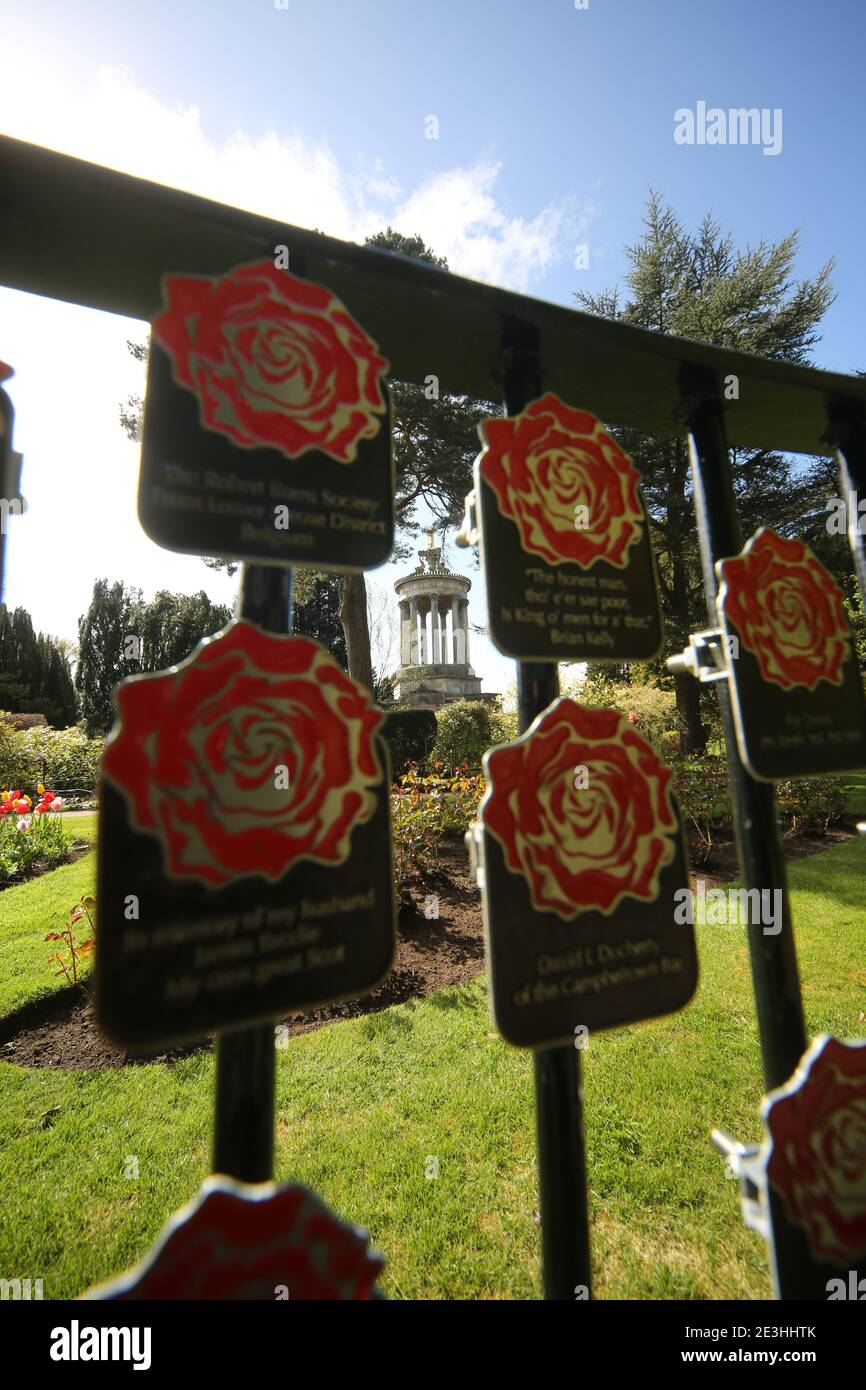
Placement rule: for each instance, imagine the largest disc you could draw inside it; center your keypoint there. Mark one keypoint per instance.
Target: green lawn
(32, 909)
(83, 827)
(362, 1104)
(27, 913)
(855, 793)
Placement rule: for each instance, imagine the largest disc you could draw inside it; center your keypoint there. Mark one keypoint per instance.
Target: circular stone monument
(434, 635)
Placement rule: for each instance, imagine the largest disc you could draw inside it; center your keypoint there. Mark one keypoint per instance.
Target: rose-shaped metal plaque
(583, 854)
(796, 686)
(252, 1241)
(815, 1156)
(266, 427)
(565, 547)
(245, 865)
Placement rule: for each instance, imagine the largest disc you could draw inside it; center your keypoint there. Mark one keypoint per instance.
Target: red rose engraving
(582, 808)
(566, 483)
(787, 610)
(252, 1242)
(254, 753)
(817, 1156)
(273, 360)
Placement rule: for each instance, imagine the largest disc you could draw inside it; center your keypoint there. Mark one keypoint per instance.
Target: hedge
(61, 759)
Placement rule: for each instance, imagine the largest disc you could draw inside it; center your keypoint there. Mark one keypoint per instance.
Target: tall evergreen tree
(698, 286)
(122, 635)
(34, 672)
(105, 654)
(316, 613)
(172, 625)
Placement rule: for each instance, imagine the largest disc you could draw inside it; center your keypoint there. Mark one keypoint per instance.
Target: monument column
(405, 634)
(455, 631)
(422, 650)
(465, 606)
(443, 635)
(434, 629)
(413, 632)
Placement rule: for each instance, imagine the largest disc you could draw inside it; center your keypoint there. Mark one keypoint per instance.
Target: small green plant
(72, 951)
(811, 803)
(423, 809)
(701, 787)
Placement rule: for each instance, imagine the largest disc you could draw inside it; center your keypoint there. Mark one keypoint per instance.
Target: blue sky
(552, 123)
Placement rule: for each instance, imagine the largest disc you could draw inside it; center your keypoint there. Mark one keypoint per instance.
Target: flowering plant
(29, 835)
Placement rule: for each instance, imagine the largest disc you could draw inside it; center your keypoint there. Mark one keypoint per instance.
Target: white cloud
(71, 364)
(116, 123)
(457, 213)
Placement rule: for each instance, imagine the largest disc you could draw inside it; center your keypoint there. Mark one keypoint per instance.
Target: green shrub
(653, 710)
(410, 734)
(423, 809)
(466, 730)
(811, 803)
(61, 758)
(701, 787)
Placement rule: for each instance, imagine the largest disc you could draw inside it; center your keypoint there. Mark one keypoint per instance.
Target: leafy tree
(172, 625)
(105, 656)
(122, 635)
(698, 286)
(316, 611)
(34, 671)
(465, 730)
(435, 440)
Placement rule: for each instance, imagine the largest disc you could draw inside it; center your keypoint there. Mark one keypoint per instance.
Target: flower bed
(31, 835)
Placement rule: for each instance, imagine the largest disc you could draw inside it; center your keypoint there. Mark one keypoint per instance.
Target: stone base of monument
(432, 686)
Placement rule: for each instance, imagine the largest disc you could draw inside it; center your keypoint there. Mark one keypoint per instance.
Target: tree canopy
(697, 285)
(34, 671)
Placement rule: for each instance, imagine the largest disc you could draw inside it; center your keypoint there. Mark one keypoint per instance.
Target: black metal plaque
(564, 539)
(795, 682)
(587, 912)
(812, 1162)
(244, 841)
(267, 431)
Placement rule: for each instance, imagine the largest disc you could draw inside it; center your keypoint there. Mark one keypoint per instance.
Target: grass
(30, 910)
(363, 1105)
(855, 793)
(27, 913)
(83, 827)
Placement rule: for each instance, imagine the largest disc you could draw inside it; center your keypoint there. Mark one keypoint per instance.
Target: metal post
(558, 1093)
(243, 1145)
(848, 432)
(774, 961)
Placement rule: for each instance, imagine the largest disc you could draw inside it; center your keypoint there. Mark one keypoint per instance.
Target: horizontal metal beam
(78, 232)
